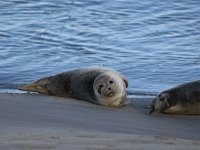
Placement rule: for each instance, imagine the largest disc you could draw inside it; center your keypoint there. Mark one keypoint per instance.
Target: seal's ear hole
(111, 82)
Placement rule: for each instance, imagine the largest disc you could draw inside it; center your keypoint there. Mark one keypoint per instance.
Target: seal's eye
(44, 85)
(163, 98)
(99, 88)
(111, 82)
(101, 85)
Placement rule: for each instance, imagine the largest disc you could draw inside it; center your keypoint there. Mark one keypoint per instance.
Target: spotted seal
(101, 85)
(182, 99)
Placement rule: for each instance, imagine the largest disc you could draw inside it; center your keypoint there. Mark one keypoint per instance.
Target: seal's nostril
(109, 88)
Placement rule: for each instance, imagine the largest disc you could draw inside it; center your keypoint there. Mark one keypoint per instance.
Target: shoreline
(38, 118)
(135, 94)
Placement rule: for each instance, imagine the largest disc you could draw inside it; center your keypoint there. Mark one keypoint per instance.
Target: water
(156, 44)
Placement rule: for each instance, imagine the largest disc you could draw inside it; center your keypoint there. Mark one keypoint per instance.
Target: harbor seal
(183, 99)
(102, 86)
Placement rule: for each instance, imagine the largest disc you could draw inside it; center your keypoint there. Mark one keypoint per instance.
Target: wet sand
(32, 121)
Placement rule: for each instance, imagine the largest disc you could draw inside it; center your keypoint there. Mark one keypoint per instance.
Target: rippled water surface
(156, 44)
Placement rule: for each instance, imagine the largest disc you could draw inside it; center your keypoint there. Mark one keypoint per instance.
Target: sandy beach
(32, 121)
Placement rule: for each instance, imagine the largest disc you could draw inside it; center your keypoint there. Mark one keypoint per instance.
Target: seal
(182, 99)
(102, 86)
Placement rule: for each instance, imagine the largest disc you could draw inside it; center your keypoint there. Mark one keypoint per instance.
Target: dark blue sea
(154, 43)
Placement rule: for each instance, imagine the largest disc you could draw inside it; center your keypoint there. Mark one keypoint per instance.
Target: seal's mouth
(110, 94)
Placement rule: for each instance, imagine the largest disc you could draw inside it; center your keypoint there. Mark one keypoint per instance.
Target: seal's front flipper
(152, 107)
(151, 111)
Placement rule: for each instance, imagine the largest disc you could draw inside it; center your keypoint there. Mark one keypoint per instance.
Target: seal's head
(160, 103)
(110, 90)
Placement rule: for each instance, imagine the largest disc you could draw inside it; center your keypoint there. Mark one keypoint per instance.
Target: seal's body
(102, 86)
(183, 99)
